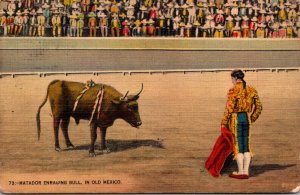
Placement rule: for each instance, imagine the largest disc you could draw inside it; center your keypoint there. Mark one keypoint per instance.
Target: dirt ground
(181, 115)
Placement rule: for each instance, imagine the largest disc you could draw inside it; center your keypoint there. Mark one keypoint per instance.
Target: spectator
(201, 18)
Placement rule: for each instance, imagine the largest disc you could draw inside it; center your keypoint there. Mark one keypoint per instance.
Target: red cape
(222, 149)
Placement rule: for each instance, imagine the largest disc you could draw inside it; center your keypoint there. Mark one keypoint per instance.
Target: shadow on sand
(260, 169)
(122, 145)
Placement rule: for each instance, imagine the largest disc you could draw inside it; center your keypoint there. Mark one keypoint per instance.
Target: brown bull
(62, 96)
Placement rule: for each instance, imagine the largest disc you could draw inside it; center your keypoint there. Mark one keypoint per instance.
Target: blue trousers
(243, 132)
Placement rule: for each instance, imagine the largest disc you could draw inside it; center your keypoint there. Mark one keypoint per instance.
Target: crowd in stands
(149, 18)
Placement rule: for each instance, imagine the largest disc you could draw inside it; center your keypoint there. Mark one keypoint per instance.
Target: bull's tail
(38, 120)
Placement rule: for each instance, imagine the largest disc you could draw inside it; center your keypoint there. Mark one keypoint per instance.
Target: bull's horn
(122, 98)
(140, 91)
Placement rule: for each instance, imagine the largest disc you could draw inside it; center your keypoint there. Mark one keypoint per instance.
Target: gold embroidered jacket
(242, 100)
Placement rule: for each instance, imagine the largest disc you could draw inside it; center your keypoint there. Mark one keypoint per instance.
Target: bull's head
(128, 108)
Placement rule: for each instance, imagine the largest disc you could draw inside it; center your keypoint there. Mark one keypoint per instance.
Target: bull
(62, 97)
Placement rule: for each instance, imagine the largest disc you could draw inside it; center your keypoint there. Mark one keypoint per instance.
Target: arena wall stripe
(165, 43)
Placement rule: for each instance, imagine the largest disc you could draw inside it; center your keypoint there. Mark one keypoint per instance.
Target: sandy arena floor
(181, 116)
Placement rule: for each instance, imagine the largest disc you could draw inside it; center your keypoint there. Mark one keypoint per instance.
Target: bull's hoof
(92, 154)
(71, 146)
(106, 151)
(57, 149)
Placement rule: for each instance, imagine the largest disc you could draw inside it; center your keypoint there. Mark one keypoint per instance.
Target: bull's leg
(93, 129)
(103, 140)
(56, 121)
(64, 127)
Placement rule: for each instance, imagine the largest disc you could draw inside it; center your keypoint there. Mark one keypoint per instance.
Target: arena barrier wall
(128, 55)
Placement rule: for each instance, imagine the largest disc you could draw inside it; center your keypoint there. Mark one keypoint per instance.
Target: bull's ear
(136, 97)
(116, 101)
